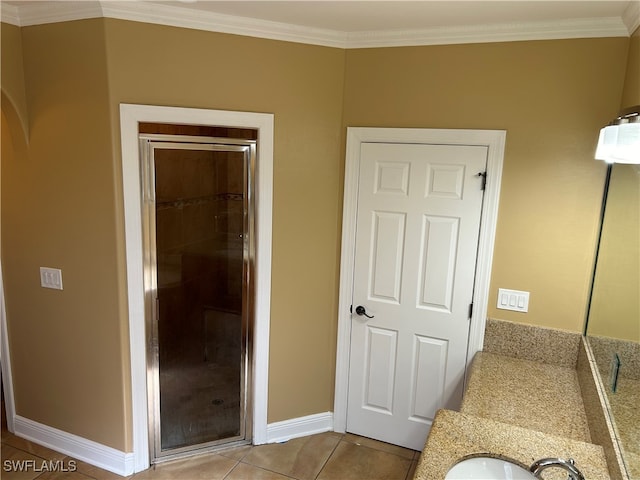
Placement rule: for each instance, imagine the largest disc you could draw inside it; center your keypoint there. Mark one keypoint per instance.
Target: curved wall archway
(13, 142)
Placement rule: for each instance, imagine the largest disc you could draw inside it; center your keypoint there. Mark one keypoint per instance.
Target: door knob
(360, 310)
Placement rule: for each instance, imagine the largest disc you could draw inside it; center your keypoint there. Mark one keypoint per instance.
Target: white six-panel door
(418, 222)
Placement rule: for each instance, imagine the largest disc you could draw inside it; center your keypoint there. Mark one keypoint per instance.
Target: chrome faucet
(569, 465)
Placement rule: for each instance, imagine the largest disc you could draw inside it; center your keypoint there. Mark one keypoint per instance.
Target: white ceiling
(360, 23)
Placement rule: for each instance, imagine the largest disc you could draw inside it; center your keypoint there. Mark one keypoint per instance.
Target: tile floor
(318, 457)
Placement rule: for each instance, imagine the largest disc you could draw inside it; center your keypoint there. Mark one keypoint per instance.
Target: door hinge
(470, 310)
(484, 179)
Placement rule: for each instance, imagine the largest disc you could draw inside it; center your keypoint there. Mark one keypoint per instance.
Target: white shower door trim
(130, 116)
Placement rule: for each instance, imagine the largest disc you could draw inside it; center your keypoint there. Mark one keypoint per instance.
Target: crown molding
(27, 14)
(37, 13)
(9, 14)
(214, 22)
(564, 29)
(631, 17)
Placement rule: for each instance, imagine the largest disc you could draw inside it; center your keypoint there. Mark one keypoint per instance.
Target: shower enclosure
(198, 243)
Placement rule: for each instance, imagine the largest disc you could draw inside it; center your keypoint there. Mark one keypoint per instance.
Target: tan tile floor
(326, 456)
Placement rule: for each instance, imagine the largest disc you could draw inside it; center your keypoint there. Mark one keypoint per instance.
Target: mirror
(613, 322)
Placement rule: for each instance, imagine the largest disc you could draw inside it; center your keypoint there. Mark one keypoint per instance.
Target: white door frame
(130, 116)
(494, 140)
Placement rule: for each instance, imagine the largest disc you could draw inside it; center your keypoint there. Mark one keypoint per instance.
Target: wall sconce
(619, 141)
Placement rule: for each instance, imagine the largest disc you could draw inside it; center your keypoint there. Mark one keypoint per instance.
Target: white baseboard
(77, 447)
(122, 463)
(299, 427)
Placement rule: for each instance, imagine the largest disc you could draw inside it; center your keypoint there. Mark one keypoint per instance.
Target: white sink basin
(487, 468)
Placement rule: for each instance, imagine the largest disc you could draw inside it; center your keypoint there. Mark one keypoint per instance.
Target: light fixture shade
(607, 143)
(620, 141)
(628, 144)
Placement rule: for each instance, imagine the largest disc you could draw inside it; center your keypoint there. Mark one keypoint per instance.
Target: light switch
(515, 300)
(51, 278)
(504, 299)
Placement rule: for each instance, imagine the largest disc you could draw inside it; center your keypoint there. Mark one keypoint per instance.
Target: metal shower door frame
(148, 143)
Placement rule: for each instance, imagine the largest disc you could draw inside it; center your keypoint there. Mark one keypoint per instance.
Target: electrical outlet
(51, 278)
(513, 300)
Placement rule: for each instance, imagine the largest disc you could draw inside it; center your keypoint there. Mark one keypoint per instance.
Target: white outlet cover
(51, 278)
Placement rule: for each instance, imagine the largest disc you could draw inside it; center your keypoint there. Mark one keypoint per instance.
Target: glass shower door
(199, 218)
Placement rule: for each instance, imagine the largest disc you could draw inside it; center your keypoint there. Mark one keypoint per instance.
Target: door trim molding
(494, 140)
(130, 116)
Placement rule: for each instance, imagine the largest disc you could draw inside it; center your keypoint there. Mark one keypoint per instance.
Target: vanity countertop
(527, 394)
(455, 436)
(624, 405)
(516, 409)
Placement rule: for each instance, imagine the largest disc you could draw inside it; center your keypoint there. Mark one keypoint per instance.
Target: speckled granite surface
(518, 410)
(543, 345)
(603, 349)
(522, 402)
(624, 407)
(455, 436)
(600, 426)
(624, 403)
(527, 394)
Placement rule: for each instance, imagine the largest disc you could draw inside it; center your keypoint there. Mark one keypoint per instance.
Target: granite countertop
(516, 409)
(624, 404)
(455, 436)
(527, 394)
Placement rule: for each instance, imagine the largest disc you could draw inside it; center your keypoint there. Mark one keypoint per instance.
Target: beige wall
(615, 307)
(302, 85)
(631, 92)
(551, 97)
(70, 348)
(58, 211)
(77, 73)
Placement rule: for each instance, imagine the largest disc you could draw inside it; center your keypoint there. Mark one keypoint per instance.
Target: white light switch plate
(51, 278)
(515, 300)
